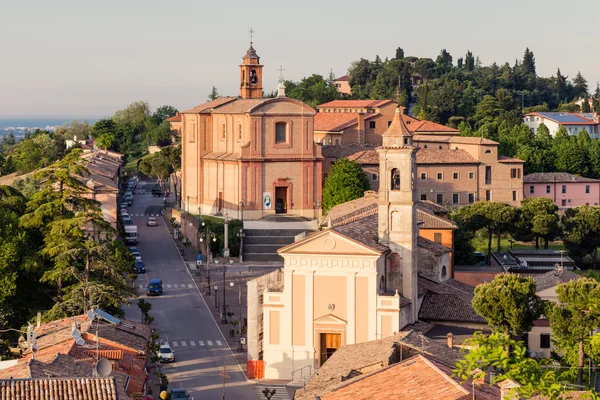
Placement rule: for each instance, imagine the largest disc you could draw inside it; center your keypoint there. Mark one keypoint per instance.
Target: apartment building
(572, 122)
(566, 190)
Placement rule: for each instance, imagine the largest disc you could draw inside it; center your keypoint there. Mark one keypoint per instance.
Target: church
(250, 156)
(368, 275)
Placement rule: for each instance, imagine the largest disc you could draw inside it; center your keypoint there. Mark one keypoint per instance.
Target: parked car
(127, 220)
(156, 191)
(128, 199)
(179, 394)
(136, 256)
(151, 221)
(166, 353)
(133, 249)
(125, 214)
(154, 288)
(139, 267)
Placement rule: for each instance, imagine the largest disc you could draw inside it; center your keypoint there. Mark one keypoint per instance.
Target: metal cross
(251, 32)
(280, 69)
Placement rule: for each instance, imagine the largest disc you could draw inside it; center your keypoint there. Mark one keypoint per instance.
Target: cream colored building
(250, 155)
(358, 280)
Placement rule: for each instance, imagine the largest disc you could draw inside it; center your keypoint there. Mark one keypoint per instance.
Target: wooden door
(329, 343)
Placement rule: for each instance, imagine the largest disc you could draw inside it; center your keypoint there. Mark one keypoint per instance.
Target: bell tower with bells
(251, 74)
(397, 224)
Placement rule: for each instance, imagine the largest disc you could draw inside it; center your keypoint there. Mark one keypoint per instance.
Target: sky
(78, 59)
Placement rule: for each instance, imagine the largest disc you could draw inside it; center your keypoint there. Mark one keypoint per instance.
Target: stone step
(273, 232)
(262, 257)
(262, 248)
(278, 240)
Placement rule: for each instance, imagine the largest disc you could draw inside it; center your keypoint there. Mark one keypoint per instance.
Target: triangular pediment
(328, 242)
(330, 319)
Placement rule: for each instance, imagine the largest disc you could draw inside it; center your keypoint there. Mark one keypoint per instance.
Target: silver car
(165, 353)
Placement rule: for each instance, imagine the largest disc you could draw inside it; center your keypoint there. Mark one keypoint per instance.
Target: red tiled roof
(508, 159)
(428, 126)
(414, 378)
(549, 177)
(435, 156)
(209, 105)
(335, 122)
(343, 78)
(59, 389)
(452, 139)
(175, 118)
(356, 103)
(365, 157)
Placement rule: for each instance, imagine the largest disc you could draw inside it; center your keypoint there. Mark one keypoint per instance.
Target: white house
(573, 122)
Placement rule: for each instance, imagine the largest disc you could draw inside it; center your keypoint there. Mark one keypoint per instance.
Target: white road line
(190, 285)
(201, 342)
(141, 286)
(192, 343)
(168, 286)
(209, 342)
(175, 285)
(184, 344)
(218, 343)
(175, 344)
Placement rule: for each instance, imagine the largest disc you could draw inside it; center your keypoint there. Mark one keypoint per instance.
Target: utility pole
(225, 377)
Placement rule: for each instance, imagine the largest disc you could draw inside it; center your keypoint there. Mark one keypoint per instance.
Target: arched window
(395, 184)
(444, 272)
(382, 284)
(488, 151)
(440, 147)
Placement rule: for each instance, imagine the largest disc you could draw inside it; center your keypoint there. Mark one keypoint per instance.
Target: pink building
(564, 189)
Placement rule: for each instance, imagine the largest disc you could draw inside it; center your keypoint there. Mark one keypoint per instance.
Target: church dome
(251, 53)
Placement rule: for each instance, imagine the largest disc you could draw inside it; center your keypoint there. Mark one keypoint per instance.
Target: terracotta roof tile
(397, 127)
(365, 157)
(507, 159)
(436, 208)
(59, 389)
(414, 378)
(343, 78)
(355, 103)
(447, 301)
(431, 138)
(553, 278)
(428, 126)
(364, 231)
(435, 156)
(207, 107)
(452, 139)
(336, 122)
(562, 177)
(345, 150)
(175, 118)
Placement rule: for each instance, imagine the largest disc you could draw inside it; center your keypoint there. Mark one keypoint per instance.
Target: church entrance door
(281, 200)
(329, 343)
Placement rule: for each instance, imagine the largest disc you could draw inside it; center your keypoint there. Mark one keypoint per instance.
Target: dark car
(127, 221)
(179, 394)
(154, 288)
(139, 267)
(156, 191)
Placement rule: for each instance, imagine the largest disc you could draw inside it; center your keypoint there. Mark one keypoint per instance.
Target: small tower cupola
(397, 134)
(251, 75)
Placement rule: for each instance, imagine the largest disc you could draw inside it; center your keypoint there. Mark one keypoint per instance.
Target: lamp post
(318, 205)
(240, 234)
(242, 206)
(224, 311)
(216, 298)
(207, 235)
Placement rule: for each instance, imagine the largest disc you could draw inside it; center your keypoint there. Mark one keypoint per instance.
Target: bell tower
(397, 225)
(251, 75)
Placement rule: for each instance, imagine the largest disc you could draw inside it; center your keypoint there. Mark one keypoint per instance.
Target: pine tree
(528, 64)
(585, 106)
(580, 85)
(214, 94)
(399, 53)
(469, 61)
(561, 85)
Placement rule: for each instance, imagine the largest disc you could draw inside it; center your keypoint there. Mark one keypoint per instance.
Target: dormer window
(395, 184)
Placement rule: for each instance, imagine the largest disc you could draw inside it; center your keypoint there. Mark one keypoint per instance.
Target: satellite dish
(80, 342)
(76, 334)
(34, 348)
(103, 367)
(91, 315)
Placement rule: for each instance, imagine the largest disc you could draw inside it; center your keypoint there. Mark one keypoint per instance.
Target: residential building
(46, 388)
(103, 182)
(250, 152)
(342, 85)
(176, 123)
(572, 122)
(343, 122)
(451, 170)
(539, 339)
(565, 190)
(367, 276)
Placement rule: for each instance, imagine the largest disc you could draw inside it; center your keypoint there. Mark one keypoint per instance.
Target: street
(182, 318)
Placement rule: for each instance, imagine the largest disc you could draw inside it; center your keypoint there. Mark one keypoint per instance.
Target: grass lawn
(132, 163)
(480, 244)
(209, 218)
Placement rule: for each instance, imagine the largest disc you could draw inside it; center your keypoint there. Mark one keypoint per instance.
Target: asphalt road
(181, 317)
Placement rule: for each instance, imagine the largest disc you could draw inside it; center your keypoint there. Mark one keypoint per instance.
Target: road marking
(218, 343)
(175, 285)
(209, 342)
(192, 343)
(141, 286)
(190, 285)
(184, 344)
(175, 344)
(168, 286)
(201, 342)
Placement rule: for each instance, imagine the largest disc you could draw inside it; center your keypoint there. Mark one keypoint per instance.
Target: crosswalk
(144, 215)
(281, 392)
(172, 286)
(179, 344)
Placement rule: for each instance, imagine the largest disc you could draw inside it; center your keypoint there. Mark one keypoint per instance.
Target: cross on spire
(281, 69)
(251, 32)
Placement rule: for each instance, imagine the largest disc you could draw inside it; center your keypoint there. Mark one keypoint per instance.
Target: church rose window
(280, 132)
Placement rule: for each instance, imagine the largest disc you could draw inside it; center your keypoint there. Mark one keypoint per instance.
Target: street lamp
(207, 235)
(216, 298)
(317, 204)
(242, 205)
(241, 235)
(224, 311)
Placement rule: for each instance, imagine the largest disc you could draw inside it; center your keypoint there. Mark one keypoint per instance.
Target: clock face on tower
(253, 77)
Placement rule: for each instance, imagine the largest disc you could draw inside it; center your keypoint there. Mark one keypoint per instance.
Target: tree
(469, 61)
(495, 217)
(508, 303)
(134, 114)
(575, 317)
(580, 85)
(313, 90)
(528, 64)
(399, 53)
(508, 358)
(581, 237)
(214, 94)
(172, 154)
(156, 166)
(585, 106)
(346, 181)
(537, 218)
(561, 85)
(162, 113)
(103, 127)
(106, 141)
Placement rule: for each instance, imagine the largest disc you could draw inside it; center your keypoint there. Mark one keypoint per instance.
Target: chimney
(478, 377)
(506, 389)
(361, 127)
(450, 340)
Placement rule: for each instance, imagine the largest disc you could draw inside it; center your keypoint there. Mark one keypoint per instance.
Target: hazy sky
(70, 59)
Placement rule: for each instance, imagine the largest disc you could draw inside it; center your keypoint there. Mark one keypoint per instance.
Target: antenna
(103, 368)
